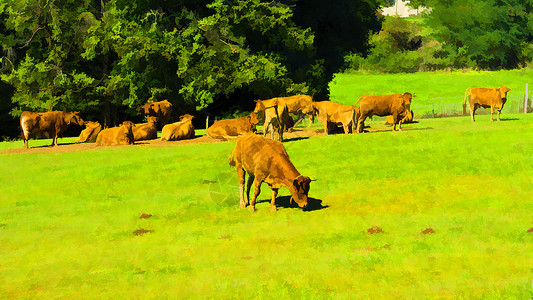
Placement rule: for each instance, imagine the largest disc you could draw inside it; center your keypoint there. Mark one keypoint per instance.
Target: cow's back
(297, 103)
(145, 131)
(486, 96)
(380, 105)
(90, 133)
(178, 131)
(258, 154)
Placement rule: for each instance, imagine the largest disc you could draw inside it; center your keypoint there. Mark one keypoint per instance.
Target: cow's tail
(464, 100)
(358, 100)
(232, 158)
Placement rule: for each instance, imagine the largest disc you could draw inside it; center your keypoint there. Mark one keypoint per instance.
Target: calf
(224, 129)
(276, 116)
(52, 123)
(145, 131)
(181, 130)
(121, 135)
(335, 114)
(90, 132)
(267, 160)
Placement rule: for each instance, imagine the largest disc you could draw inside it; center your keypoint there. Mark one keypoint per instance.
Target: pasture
(439, 210)
(436, 92)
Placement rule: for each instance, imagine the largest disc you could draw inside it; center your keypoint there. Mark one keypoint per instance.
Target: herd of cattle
(265, 160)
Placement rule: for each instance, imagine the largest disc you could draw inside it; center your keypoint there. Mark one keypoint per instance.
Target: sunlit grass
(67, 219)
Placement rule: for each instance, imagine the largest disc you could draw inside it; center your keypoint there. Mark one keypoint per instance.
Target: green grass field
(435, 91)
(67, 219)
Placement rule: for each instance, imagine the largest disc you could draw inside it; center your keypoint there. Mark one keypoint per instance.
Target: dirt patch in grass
(530, 230)
(142, 231)
(375, 230)
(299, 133)
(428, 230)
(145, 216)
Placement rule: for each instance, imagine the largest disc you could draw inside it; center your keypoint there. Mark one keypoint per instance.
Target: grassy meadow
(71, 226)
(436, 92)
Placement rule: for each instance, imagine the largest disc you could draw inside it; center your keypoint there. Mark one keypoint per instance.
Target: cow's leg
(472, 112)
(499, 111)
(491, 112)
(311, 119)
(265, 129)
(248, 186)
(326, 132)
(257, 190)
(280, 131)
(271, 131)
(394, 121)
(241, 175)
(346, 128)
(273, 201)
(361, 124)
(300, 118)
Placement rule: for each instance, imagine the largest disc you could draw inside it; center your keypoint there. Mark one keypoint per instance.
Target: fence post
(525, 99)
(207, 122)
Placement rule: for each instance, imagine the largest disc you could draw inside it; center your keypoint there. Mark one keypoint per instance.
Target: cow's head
(503, 91)
(259, 106)
(74, 118)
(253, 119)
(407, 97)
(301, 185)
(145, 107)
(152, 119)
(186, 117)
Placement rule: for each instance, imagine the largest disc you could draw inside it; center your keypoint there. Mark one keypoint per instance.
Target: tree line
(107, 57)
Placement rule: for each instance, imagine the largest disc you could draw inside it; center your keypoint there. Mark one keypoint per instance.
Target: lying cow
(408, 116)
(121, 135)
(52, 123)
(90, 132)
(300, 105)
(485, 97)
(396, 105)
(333, 114)
(145, 131)
(276, 116)
(162, 110)
(181, 130)
(267, 160)
(224, 129)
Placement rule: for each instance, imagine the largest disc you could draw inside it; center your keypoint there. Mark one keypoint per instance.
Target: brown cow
(300, 105)
(162, 110)
(276, 116)
(52, 123)
(145, 131)
(267, 160)
(384, 105)
(485, 97)
(90, 132)
(121, 135)
(409, 115)
(181, 130)
(334, 114)
(224, 129)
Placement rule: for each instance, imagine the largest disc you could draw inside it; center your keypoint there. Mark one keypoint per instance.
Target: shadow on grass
(509, 119)
(295, 139)
(284, 202)
(58, 144)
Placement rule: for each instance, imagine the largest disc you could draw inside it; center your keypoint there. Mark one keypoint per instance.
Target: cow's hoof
(274, 209)
(251, 208)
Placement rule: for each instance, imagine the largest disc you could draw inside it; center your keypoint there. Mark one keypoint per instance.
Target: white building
(401, 9)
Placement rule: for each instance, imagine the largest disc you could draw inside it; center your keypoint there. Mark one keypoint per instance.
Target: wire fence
(453, 106)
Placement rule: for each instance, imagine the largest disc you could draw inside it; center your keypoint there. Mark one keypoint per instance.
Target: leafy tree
(106, 57)
(490, 34)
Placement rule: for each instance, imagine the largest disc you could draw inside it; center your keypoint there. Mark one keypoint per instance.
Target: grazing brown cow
(121, 135)
(52, 123)
(162, 110)
(267, 160)
(181, 130)
(408, 116)
(90, 132)
(300, 105)
(145, 131)
(276, 116)
(224, 129)
(332, 114)
(485, 97)
(384, 105)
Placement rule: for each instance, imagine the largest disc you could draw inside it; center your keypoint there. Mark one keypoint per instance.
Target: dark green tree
(490, 34)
